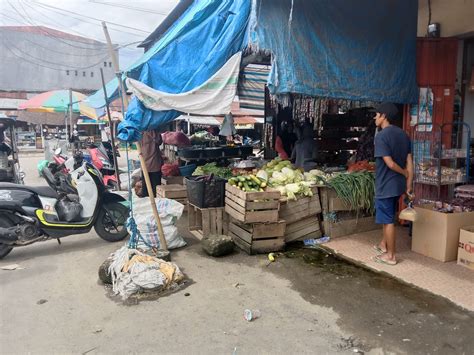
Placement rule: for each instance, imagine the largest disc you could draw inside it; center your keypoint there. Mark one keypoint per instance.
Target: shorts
(385, 210)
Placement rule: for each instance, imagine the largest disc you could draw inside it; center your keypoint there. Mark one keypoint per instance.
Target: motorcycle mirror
(58, 151)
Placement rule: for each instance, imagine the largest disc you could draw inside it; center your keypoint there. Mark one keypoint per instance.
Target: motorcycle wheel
(105, 227)
(5, 222)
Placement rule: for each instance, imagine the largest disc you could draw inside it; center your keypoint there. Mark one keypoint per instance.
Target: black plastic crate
(206, 191)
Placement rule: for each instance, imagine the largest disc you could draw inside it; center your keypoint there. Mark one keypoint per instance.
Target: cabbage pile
(282, 176)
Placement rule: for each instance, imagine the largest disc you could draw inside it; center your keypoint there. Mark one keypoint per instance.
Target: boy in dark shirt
(394, 177)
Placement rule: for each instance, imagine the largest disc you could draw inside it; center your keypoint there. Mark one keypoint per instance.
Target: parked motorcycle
(100, 159)
(71, 204)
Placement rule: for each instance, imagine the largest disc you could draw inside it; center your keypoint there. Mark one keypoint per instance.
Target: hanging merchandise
(422, 112)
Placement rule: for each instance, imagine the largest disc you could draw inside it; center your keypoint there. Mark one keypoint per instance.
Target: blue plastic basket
(187, 170)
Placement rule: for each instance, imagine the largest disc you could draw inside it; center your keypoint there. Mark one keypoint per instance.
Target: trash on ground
(251, 315)
(271, 257)
(187, 294)
(217, 245)
(12, 267)
(135, 272)
(308, 243)
(42, 301)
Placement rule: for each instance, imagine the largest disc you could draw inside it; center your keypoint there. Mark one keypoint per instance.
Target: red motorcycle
(100, 160)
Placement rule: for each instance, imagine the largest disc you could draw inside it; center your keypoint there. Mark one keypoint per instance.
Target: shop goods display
(466, 247)
(213, 169)
(456, 205)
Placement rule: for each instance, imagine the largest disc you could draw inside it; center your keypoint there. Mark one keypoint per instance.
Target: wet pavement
(380, 311)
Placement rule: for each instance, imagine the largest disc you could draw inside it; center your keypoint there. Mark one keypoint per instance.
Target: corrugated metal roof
(47, 31)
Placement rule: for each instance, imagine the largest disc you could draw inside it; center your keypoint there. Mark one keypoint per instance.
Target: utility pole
(70, 118)
(151, 193)
(112, 129)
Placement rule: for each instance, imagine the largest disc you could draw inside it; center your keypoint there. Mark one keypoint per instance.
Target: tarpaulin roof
(204, 38)
(363, 50)
(357, 50)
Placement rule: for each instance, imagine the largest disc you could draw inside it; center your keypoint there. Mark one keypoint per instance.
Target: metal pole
(112, 131)
(161, 233)
(70, 117)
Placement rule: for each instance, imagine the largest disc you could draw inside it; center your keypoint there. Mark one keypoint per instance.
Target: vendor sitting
(305, 151)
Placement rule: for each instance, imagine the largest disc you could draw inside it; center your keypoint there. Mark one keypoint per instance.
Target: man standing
(151, 141)
(394, 177)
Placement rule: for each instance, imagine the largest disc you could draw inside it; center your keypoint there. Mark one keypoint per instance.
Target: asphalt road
(309, 303)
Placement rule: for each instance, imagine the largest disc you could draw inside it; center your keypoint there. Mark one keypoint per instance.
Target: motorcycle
(100, 159)
(30, 214)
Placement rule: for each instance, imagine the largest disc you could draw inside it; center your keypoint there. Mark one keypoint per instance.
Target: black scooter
(71, 204)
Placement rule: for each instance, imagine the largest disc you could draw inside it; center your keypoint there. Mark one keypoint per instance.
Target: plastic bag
(408, 214)
(170, 169)
(176, 138)
(68, 211)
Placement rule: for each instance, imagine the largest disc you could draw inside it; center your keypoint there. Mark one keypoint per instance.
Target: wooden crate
(308, 227)
(258, 237)
(203, 222)
(349, 226)
(252, 207)
(172, 191)
(304, 207)
(172, 180)
(330, 202)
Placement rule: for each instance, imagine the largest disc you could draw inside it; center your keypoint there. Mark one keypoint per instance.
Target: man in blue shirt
(394, 177)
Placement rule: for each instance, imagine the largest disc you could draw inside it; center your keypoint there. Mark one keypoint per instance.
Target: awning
(217, 121)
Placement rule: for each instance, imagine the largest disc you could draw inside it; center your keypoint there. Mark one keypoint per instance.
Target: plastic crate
(187, 170)
(206, 193)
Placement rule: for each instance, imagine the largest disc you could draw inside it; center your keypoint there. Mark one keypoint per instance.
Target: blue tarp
(204, 38)
(357, 50)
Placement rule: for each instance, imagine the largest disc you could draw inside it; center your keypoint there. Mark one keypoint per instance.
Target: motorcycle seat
(45, 191)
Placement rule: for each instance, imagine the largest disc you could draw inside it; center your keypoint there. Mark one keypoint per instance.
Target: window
(92, 74)
(83, 73)
(67, 72)
(105, 64)
(110, 64)
(75, 72)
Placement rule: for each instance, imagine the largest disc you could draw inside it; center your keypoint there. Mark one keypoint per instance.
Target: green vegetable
(357, 189)
(212, 168)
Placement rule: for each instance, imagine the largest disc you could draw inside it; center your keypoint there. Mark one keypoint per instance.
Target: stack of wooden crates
(254, 221)
(338, 217)
(302, 217)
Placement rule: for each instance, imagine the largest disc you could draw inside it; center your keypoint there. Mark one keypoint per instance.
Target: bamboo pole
(112, 130)
(151, 193)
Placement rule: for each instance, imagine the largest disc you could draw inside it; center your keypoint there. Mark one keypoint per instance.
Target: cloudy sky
(128, 21)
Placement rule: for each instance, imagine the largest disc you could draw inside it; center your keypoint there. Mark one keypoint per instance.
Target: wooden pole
(151, 193)
(112, 131)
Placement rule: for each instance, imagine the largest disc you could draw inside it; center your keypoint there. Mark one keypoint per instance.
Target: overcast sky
(75, 16)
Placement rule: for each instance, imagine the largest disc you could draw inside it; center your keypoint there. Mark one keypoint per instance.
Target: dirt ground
(309, 303)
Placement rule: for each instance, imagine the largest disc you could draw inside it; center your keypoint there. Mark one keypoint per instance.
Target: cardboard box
(436, 234)
(466, 247)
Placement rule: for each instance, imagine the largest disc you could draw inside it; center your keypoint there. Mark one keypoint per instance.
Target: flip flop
(378, 249)
(379, 260)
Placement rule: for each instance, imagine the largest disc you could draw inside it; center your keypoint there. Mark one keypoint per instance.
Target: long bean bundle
(356, 189)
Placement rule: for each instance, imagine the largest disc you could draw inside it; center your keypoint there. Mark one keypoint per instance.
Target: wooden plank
(242, 233)
(234, 213)
(206, 219)
(269, 194)
(261, 216)
(261, 230)
(235, 205)
(262, 205)
(172, 180)
(351, 226)
(241, 243)
(171, 191)
(308, 230)
(197, 234)
(235, 199)
(219, 221)
(303, 223)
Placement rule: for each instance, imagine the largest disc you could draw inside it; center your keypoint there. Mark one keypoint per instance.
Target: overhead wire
(90, 17)
(45, 32)
(44, 7)
(128, 7)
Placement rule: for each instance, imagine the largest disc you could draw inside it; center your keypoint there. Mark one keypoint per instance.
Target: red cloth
(176, 138)
(279, 148)
(170, 170)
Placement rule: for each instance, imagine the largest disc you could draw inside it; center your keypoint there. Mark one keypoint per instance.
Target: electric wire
(90, 17)
(129, 7)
